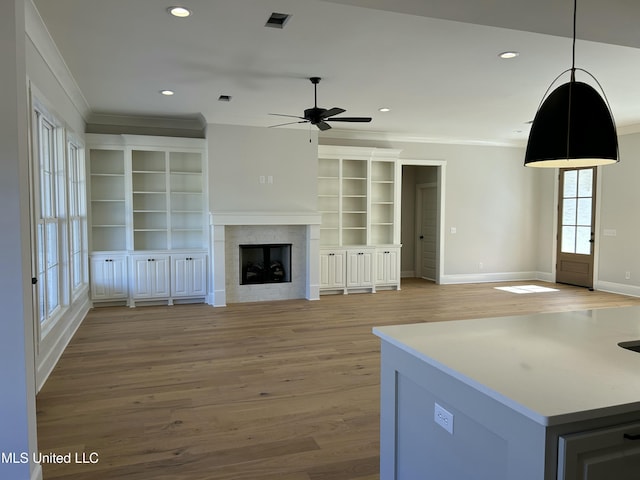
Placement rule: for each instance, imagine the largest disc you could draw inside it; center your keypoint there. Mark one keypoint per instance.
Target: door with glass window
(576, 220)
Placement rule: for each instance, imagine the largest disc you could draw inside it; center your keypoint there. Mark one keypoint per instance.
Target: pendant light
(574, 126)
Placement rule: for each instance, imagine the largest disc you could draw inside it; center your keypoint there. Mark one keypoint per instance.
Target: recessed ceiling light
(180, 12)
(384, 109)
(167, 93)
(507, 55)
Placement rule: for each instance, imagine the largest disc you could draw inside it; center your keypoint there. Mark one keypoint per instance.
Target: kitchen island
(533, 397)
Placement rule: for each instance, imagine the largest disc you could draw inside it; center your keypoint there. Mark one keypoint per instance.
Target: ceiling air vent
(277, 20)
(224, 98)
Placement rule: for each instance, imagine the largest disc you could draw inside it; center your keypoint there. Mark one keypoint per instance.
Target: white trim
(265, 218)
(619, 288)
(47, 363)
(37, 32)
(441, 194)
(488, 277)
(546, 277)
(36, 473)
(414, 138)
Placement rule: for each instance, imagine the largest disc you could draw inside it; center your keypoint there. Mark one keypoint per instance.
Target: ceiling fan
(320, 116)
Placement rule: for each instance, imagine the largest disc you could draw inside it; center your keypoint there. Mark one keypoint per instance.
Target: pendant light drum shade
(572, 128)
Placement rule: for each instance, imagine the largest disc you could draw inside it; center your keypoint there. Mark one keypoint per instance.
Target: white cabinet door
(150, 276)
(198, 275)
(188, 275)
(602, 454)
(388, 266)
(360, 268)
(332, 269)
(108, 277)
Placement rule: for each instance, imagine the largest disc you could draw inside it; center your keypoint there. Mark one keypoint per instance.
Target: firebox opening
(265, 263)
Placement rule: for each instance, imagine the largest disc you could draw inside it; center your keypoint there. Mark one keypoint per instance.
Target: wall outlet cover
(443, 417)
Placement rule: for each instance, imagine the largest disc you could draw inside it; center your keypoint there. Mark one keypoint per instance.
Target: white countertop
(553, 368)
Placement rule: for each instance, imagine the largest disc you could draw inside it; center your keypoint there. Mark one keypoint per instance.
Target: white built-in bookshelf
(359, 201)
(148, 198)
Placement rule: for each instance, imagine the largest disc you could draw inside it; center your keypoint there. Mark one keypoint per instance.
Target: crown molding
(39, 35)
(346, 134)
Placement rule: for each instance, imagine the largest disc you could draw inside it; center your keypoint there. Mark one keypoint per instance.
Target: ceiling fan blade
(332, 111)
(283, 115)
(323, 126)
(288, 123)
(349, 119)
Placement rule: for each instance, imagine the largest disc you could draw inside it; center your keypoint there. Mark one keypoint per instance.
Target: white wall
(619, 204)
(17, 400)
(239, 156)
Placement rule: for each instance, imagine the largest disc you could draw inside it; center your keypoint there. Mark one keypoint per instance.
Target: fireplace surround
(229, 230)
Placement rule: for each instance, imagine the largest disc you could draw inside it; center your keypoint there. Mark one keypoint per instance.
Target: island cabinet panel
(550, 396)
(489, 441)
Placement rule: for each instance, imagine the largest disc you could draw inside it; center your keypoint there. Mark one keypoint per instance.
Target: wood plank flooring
(275, 390)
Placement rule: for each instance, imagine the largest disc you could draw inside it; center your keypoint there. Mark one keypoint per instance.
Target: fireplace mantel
(265, 218)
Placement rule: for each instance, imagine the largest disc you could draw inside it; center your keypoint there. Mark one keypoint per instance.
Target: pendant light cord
(573, 78)
(573, 51)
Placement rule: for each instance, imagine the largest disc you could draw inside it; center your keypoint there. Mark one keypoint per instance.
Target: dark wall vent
(277, 20)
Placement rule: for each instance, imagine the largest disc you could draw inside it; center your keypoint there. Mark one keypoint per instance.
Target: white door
(427, 231)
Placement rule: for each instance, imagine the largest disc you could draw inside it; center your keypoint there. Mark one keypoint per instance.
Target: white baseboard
(46, 364)
(546, 277)
(488, 277)
(619, 288)
(36, 474)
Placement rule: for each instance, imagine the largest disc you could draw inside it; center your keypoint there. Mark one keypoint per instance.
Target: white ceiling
(433, 62)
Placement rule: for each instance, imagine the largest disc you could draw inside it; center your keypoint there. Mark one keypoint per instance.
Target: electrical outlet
(443, 418)
(480, 266)
(627, 275)
(261, 179)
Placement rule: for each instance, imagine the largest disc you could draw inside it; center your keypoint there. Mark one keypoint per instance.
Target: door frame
(441, 183)
(596, 226)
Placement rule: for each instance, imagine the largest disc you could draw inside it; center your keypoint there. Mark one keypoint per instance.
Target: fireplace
(265, 263)
(299, 231)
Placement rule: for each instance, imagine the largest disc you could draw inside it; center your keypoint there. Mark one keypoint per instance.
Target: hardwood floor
(276, 390)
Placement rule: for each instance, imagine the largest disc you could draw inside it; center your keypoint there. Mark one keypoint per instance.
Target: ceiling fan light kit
(573, 126)
(319, 116)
